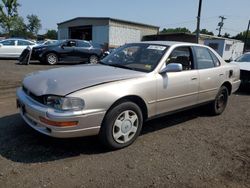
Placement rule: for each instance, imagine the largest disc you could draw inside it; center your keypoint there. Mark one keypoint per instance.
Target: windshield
(139, 57)
(243, 58)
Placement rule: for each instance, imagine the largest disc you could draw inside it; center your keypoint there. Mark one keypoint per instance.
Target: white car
(244, 63)
(12, 48)
(135, 83)
(46, 42)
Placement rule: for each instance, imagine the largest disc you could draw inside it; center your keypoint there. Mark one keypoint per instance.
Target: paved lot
(188, 149)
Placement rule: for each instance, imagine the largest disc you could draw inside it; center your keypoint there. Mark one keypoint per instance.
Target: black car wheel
(51, 59)
(93, 59)
(220, 103)
(121, 125)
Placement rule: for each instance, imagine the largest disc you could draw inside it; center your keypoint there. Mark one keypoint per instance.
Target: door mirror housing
(1, 44)
(172, 67)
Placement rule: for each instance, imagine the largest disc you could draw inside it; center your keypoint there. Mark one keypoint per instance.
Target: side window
(215, 59)
(23, 43)
(83, 44)
(203, 57)
(8, 43)
(182, 55)
(71, 43)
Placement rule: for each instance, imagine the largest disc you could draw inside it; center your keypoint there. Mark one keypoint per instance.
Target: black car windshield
(244, 58)
(140, 56)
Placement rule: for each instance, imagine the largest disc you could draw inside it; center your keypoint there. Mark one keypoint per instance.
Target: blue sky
(163, 13)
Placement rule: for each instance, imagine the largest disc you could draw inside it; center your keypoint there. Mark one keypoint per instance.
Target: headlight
(40, 49)
(64, 103)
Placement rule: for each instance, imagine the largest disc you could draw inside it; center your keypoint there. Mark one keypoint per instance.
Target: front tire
(51, 59)
(121, 125)
(93, 59)
(220, 103)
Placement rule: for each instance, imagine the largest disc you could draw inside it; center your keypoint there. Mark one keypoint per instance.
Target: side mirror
(62, 46)
(172, 67)
(1, 44)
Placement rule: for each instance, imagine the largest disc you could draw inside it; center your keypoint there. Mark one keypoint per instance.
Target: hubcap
(52, 59)
(93, 59)
(125, 126)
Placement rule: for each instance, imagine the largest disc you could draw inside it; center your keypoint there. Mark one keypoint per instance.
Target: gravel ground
(188, 149)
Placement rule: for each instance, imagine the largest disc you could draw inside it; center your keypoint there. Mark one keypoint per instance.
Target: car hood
(65, 80)
(244, 65)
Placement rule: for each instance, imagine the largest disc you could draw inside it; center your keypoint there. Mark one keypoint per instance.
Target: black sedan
(66, 51)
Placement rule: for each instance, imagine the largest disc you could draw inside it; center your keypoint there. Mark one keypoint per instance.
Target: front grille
(33, 96)
(245, 75)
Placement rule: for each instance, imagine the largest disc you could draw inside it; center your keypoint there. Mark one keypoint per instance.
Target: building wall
(232, 49)
(121, 35)
(226, 48)
(63, 33)
(144, 30)
(217, 45)
(105, 31)
(100, 34)
(83, 22)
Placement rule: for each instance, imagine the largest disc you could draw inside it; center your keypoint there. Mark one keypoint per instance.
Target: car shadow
(243, 90)
(20, 143)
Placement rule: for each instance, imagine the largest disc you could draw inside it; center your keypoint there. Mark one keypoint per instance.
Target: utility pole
(245, 41)
(198, 22)
(220, 24)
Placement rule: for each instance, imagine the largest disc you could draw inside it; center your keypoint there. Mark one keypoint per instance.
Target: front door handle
(194, 78)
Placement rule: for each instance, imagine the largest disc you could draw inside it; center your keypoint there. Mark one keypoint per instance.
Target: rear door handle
(221, 74)
(194, 78)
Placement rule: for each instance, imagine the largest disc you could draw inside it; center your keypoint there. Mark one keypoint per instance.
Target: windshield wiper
(121, 66)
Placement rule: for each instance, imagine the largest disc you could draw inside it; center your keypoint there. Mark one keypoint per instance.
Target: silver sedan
(135, 83)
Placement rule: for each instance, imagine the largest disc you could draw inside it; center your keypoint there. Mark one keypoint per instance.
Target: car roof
(170, 43)
(17, 39)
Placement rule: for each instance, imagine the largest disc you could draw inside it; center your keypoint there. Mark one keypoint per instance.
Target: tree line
(239, 36)
(13, 25)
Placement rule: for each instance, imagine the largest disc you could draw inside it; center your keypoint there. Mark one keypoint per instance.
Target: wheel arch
(228, 85)
(53, 52)
(133, 98)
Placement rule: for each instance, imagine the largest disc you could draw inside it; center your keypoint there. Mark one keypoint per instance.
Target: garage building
(110, 32)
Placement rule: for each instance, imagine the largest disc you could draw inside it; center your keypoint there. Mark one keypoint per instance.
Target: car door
(83, 50)
(210, 73)
(67, 51)
(7, 48)
(177, 90)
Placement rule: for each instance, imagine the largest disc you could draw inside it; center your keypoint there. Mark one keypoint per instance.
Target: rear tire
(220, 102)
(121, 125)
(51, 59)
